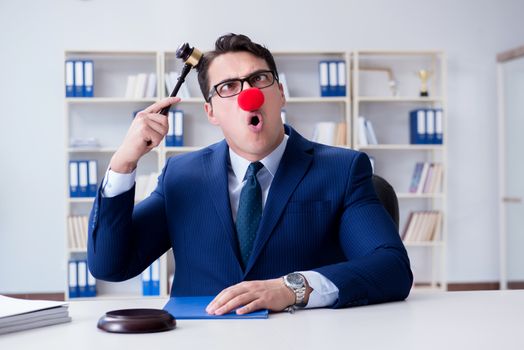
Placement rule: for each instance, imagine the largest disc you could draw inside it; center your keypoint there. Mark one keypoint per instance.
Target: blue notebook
(194, 308)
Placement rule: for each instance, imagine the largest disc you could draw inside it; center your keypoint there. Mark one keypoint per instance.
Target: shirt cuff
(115, 183)
(324, 293)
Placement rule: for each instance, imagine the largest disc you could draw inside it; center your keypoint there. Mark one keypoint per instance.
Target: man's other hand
(250, 296)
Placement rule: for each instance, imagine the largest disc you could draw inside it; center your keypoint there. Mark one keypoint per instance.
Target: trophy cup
(424, 76)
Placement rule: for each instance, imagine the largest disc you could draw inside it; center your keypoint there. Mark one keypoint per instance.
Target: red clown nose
(250, 99)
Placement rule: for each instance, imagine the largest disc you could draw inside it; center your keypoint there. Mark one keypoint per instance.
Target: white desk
(454, 320)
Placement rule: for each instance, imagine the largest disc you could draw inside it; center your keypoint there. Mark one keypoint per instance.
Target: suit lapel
(215, 164)
(294, 164)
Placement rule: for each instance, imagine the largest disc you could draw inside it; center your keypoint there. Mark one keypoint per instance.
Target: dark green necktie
(249, 211)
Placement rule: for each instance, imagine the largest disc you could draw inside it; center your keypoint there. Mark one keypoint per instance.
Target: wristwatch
(297, 283)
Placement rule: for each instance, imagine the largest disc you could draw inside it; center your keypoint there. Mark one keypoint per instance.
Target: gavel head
(189, 55)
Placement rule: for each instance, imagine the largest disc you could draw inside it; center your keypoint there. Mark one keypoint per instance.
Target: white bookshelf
(387, 106)
(108, 115)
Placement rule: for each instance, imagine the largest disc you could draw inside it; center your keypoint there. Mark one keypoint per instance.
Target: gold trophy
(424, 76)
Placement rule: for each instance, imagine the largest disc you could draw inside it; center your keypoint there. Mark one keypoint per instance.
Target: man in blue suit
(262, 219)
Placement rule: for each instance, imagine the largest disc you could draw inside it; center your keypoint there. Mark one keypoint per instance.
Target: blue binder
(192, 308)
(170, 136)
(341, 78)
(333, 78)
(430, 126)
(175, 133)
(438, 126)
(417, 126)
(73, 279)
(74, 189)
(88, 78)
(83, 188)
(92, 178)
(323, 74)
(146, 281)
(79, 79)
(91, 284)
(155, 278)
(70, 78)
(82, 278)
(178, 128)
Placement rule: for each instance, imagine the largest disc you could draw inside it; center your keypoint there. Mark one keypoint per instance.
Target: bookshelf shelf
(110, 150)
(81, 200)
(77, 251)
(393, 99)
(401, 195)
(316, 100)
(182, 149)
(405, 147)
(429, 244)
(196, 100)
(92, 150)
(96, 100)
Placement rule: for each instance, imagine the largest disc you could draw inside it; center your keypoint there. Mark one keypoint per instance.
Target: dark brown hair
(231, 43)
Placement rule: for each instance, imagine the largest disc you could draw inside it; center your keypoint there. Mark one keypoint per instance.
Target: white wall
(34, 34)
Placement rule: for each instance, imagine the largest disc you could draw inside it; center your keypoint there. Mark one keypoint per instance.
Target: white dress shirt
(324, 293)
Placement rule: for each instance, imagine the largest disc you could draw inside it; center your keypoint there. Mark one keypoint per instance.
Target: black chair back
(387, 196)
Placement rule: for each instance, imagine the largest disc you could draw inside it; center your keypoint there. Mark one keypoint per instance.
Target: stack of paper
(19, 314)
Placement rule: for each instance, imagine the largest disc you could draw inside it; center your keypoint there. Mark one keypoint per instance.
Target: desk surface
(426, 320)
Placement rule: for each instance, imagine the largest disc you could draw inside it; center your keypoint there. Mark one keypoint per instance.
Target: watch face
(295, 279)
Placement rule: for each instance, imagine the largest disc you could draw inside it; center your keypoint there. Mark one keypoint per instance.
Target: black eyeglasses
(260, 79)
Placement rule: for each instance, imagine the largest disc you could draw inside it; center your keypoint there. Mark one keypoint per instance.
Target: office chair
(387, 196)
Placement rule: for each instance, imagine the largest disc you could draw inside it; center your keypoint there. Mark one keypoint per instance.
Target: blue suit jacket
(321, 214)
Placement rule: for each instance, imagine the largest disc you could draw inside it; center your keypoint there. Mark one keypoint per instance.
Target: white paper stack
(19, 314)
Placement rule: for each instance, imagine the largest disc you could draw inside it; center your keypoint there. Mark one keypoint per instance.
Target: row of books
(142, 85)
(366, 133)
(425, 126)
(77, 232)
(79, 78)
(151, 279)
(83, 178)
(175, 133)
(422, 226)
(427, 178)
(330, 133)
(332, 76)
(145, 184)
(81, 282)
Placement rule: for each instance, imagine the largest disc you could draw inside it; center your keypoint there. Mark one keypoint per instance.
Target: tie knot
(253, 169)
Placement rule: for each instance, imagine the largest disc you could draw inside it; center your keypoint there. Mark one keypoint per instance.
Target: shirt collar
(270, 162)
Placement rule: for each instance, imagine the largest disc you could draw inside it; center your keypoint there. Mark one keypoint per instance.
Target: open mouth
(254, 120)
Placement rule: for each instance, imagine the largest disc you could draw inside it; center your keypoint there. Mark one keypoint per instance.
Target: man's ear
(208, 107)
(283, 96)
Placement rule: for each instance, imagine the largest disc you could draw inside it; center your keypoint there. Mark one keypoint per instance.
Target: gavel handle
(181, 79)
